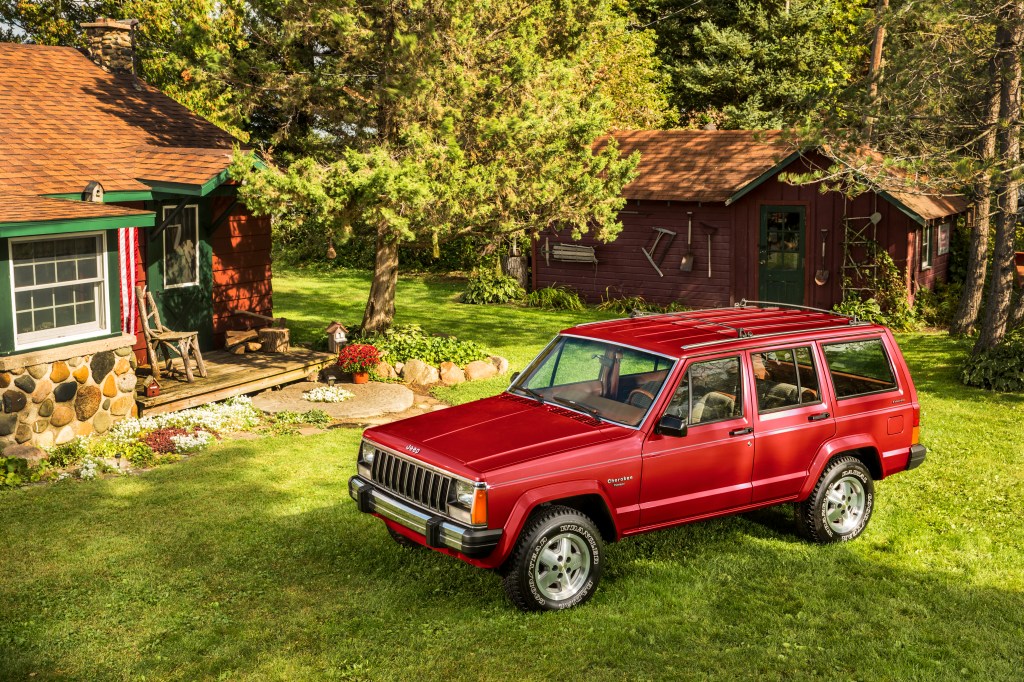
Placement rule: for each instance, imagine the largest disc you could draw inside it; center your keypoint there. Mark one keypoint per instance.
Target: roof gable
(65, 121)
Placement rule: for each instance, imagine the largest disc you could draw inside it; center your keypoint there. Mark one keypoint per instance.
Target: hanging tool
(821, 276)
(686, 263)
(710, 231)
(654, 247)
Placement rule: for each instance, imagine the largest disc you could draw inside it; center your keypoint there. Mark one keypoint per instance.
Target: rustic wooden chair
(184, 344)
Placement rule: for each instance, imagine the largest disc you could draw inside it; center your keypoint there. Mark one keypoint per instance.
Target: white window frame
(167, 211)
(926, 246)
(48, 337)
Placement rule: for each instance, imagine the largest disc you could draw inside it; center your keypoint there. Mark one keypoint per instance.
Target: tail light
(916, 424)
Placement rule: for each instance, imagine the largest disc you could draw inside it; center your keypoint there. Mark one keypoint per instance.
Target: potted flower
(358, 359)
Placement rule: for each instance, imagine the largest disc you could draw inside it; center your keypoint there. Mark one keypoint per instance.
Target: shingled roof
(64, 122)
(24, 208)
(720, 165)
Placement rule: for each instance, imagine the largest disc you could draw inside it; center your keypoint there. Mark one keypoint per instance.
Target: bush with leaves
(998, 369)
(403, 342)
(487, 286)
(937, 308)
(66, 454)
(555, 298)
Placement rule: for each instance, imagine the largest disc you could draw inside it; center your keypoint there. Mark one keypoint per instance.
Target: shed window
(59, 288)
(181, 248)
(926, 246)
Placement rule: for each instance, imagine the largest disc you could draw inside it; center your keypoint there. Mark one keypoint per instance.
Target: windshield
(612, 383)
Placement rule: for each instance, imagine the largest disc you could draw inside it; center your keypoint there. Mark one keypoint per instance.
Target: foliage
(998, 369)
(66, 454)
(327, 394)
(161, 441)
(284, 422)
(862, 309)
(625, 305)
(752, 64)
(555, 298)
(887, 301)
(401, 343)
(15, 471)
(358, 357)
(937, 308)
(301, 248)
(488, 286)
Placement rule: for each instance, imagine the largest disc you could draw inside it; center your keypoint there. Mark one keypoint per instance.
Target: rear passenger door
(871, 404)
(793, 419)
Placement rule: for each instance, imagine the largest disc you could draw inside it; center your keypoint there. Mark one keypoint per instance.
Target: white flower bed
(234, 414)
(191, 442)
(328, 394)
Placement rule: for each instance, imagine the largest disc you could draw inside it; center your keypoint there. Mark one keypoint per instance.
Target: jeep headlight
(468, 503)
(367, 451)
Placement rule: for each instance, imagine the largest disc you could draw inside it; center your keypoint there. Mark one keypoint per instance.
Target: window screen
(859, 367)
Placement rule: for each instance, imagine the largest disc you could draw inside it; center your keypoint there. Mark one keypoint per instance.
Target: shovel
(821, 275)
(686, 262)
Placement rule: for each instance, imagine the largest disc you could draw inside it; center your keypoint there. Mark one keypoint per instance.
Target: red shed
(708, 222)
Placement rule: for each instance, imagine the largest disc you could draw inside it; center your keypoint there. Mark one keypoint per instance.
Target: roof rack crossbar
(743, 303)
(704, 344)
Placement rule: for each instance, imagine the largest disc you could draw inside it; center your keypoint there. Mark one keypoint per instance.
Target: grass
(249, 562)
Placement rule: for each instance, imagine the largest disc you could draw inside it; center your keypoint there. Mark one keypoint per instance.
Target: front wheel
(840, 505)
(556, 563)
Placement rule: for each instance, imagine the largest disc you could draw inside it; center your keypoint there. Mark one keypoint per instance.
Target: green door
(781, 254)
(179, 271)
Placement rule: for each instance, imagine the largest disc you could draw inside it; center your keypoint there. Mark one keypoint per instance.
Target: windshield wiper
(579, 406)
(532, 393)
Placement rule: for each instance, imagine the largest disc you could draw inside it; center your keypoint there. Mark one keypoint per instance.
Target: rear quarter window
(859, 367)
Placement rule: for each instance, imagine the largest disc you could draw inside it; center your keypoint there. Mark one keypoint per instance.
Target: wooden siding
(622, 269)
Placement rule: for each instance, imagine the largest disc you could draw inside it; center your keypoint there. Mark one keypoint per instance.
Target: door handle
(741, 432)
(818, 417)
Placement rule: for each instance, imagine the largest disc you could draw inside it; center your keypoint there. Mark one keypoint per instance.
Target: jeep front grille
(414, 482)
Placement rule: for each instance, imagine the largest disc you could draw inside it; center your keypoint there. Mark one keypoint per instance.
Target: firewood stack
(242, 342)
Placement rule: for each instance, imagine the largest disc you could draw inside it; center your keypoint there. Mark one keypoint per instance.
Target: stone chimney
(111, 44)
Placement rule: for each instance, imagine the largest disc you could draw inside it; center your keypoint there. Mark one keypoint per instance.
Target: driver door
(709, 469)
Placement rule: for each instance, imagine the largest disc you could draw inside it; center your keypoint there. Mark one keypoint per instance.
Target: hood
(494, 433)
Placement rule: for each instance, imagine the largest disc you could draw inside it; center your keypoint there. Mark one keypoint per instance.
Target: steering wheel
(639, 397)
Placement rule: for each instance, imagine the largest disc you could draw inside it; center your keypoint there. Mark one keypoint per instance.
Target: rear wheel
(556, 563)
(840, 505)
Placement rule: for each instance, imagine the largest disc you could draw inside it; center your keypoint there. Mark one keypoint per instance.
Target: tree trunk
(380, 307)
(875, 67)
(1009, 41)
(977, 254)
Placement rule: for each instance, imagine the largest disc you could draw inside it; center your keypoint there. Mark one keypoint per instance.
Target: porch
(230, 375)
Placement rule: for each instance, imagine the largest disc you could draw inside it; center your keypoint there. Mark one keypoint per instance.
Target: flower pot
(360, 377)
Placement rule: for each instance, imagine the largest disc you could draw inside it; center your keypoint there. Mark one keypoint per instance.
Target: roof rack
(744, 303)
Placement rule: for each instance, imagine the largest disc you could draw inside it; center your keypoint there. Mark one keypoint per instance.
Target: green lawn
(250, 562)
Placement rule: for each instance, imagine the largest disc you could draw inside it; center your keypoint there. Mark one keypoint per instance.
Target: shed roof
(722, 165)
(65, 121)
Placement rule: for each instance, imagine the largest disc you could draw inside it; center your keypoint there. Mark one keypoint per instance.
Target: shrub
(358, 357)
(999, 369)
(624, 305)
(555, 298)
(66, 454)
(868, 310)
(15, 471)
(161, 441)
(487, 286)
(401, 343)
(937, 308)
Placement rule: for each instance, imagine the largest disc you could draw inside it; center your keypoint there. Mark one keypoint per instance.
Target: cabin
(110, 185)
(708, 222)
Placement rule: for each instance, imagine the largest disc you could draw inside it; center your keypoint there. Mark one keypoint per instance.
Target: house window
(181, 248)
(926, 246)
(59, 288)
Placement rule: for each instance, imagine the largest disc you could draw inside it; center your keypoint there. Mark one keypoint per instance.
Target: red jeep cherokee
(633, 425)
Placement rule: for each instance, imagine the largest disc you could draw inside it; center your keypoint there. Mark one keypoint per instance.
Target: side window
(785, 377)
(859, 367)
(709, 392)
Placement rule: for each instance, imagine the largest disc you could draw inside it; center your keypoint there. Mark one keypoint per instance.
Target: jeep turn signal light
(915, 434)
(478, 513)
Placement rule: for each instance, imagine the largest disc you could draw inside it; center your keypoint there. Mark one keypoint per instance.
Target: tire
(556, 563)
(840, 506)
(401, 540)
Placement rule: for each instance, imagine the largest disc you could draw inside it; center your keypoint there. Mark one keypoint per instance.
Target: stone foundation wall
(52, 402)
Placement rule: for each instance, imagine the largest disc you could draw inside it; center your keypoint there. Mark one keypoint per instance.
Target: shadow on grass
(244, 565)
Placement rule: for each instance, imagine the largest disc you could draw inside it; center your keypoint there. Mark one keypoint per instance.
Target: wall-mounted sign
(944, 233)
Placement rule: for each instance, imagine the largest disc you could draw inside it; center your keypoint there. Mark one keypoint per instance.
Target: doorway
(781, 258)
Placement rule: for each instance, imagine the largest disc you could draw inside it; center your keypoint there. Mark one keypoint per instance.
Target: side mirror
(515, 375)
(670, 425)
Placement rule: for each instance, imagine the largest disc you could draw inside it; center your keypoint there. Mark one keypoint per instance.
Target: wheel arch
(865, 450)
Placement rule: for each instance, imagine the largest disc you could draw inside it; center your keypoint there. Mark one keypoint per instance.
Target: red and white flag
(128, 248)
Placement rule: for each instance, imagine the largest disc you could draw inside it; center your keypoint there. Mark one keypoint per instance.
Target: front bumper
(917, 455)
(438, 531)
